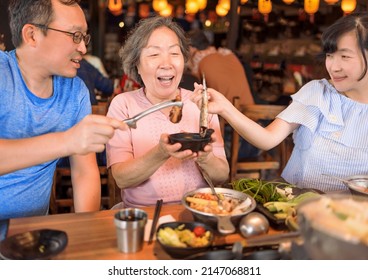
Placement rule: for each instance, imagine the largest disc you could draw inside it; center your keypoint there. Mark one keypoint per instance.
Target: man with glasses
(45, 110)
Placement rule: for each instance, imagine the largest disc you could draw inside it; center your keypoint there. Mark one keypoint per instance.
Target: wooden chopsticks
(156, 216)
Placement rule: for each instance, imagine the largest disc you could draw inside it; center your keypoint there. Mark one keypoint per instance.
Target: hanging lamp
(348, 6)
(264, 6)
(167, 11)
(221, 11)
(115, 7)
(191, 7)
(311, 6)
(202, 4)
(159, 5)
(331, 2)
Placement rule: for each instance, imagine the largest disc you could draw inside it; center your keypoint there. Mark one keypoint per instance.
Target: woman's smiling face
(345, 66)
(161, 64)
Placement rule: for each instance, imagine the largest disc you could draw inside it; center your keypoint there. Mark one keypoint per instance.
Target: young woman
(328, 118)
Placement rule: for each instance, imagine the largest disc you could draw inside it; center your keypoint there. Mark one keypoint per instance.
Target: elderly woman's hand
(172, 150)
(203, 156)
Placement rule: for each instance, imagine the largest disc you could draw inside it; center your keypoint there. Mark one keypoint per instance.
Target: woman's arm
(264, 138)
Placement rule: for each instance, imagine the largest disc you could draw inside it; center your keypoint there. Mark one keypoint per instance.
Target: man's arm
(89, 135)
(86, 183)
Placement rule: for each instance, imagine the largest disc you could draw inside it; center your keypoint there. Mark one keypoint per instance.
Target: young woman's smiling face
(345, 66)
(161, 65)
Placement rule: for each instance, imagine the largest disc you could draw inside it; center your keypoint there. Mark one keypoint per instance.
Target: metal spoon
(253, 224)
(132, 122)
(349, 183)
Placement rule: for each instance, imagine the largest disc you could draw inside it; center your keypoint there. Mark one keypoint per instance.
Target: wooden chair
(255, 167)
(61, 200)
(100, 108)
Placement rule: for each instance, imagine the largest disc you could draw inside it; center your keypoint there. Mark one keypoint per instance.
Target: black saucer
(34, 245)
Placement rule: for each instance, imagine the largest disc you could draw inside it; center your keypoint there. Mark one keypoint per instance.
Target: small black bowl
(191, 141)
(34, 245)
(178, 252)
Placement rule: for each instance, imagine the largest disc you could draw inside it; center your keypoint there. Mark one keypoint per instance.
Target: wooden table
(92, 236)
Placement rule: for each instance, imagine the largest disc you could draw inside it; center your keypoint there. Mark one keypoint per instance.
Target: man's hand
(91, 134)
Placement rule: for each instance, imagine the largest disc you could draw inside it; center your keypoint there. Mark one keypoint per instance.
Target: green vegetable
(169, 237)
(261, 191)
(269, 195)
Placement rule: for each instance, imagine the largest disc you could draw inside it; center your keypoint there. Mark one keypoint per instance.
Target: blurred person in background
(96, 82)
(225, 73)
(222, 68)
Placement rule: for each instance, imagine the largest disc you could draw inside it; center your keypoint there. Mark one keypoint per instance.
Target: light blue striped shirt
(332, 137)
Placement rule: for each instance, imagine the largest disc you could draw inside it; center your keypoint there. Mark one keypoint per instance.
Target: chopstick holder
(156, 216)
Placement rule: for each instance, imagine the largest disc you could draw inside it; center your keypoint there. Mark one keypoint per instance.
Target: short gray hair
(131, 51)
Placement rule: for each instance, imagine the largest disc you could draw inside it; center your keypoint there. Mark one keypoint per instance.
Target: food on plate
(199, 231)
(281, 209)
(279, 198)
(346, 218)
(264, 191)
(182, 237)
(207, 202)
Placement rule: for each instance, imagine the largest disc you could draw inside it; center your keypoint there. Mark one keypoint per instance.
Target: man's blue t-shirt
(26, 192)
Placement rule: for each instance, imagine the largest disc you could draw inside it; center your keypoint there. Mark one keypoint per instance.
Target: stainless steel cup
(130, 224)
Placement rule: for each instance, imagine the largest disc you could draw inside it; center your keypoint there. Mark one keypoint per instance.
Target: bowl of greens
(277, 200)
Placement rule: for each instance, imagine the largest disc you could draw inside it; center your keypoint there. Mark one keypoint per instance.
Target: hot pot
(334, 227)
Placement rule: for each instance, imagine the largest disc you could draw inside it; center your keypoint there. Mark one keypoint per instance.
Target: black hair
(356, 22)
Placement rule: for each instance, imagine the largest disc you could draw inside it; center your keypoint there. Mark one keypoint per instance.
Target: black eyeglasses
(77, 36)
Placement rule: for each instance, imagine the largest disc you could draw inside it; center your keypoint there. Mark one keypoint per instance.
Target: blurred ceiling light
(288, 2)
(331, 2)
(207, 23)
(225, 4)
(264, 6)
(221, 11)
(242, 2)
(115, 7)
(311, 6)
(202, 4)
(159, 5)
(167, 11)
(348, 6)
(191, 6)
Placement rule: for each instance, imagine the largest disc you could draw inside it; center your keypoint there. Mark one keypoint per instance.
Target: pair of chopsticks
(156, 216)
(203, 119)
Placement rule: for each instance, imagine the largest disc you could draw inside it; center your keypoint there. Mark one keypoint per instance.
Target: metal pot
(329, 241)
(225, 224)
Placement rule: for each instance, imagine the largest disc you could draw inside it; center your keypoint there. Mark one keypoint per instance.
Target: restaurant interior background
(278, 39)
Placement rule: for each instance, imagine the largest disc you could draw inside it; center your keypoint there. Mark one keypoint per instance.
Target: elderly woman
(145, 166)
